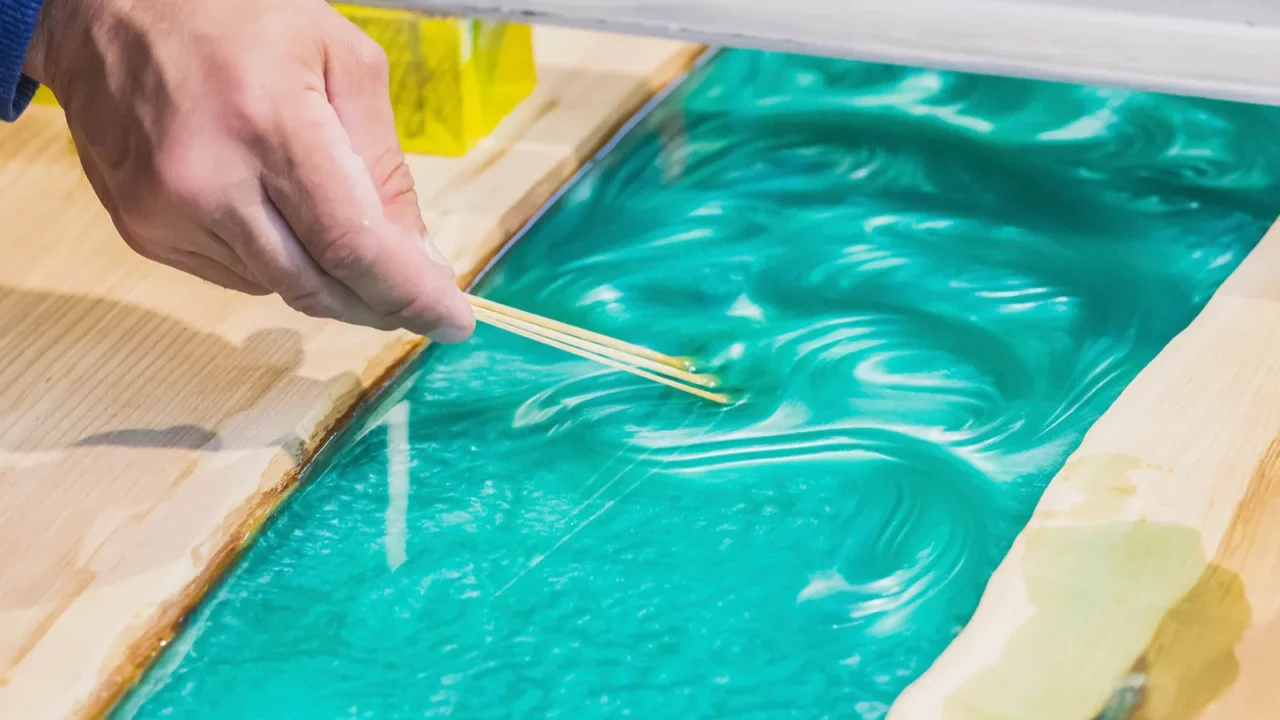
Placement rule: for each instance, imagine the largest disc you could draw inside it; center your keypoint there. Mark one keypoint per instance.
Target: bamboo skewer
(720, 398)
(577, 332)
(643, 362)
(654, 366)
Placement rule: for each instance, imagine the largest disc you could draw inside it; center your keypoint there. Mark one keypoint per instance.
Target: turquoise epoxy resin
(926, 286)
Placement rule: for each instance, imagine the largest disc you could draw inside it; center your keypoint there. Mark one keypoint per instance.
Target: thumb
(358, 87)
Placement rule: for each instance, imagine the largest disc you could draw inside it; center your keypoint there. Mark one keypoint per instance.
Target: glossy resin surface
(925, 286)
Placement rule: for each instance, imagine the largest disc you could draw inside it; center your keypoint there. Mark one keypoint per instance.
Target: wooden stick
(699, 379)
(505, 323)
(674, 362)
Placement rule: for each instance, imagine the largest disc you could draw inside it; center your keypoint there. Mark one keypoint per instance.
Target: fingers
(224, 269)
(302, 190)
(276, 259)
(324, 192)
(215, 272)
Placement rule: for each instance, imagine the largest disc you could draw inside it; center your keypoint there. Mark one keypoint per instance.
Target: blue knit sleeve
(17, 23)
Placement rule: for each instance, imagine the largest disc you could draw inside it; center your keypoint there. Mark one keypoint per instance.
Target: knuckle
(311, 301)
(193, 180)
(369, 56)
(418, 309)
(342, 252)
(179, 178)
(395, 178)
(255, 113)
(396, 188)
(248, 102)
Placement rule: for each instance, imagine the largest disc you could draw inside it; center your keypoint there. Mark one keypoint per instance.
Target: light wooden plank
(1225, 48)
(148, 420)
(1150, 571)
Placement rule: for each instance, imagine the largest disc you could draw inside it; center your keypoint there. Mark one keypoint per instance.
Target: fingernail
(451, 334)
(460, 325)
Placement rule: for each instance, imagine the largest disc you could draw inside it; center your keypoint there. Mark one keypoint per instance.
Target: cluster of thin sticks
(674, 372)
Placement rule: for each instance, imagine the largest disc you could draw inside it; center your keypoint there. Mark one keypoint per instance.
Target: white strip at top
(1227, 49)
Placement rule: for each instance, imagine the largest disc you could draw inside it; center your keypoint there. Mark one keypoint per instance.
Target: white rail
(1216, 48)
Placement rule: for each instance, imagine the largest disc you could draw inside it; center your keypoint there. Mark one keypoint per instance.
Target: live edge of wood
(1147, 583)
(149, 422)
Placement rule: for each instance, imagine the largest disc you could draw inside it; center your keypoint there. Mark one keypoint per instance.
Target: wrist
(33, 66)
(61, 26)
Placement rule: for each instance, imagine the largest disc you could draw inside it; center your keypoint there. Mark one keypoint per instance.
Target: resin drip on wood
(927, 287)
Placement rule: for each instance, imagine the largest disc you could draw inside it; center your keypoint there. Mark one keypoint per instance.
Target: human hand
(251, 143)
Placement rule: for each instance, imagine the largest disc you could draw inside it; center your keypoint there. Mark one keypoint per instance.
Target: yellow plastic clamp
(452, 80)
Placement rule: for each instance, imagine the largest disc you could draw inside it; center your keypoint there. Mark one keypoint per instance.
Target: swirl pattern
(926, 286)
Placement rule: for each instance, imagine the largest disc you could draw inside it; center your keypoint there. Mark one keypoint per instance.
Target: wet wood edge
(241, 529)
(1147, 582)
(246, 524)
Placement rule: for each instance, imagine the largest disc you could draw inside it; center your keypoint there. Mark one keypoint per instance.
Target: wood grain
(1148, 579)
(148, 421)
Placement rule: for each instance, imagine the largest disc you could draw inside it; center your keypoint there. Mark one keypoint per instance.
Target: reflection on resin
(926, 285)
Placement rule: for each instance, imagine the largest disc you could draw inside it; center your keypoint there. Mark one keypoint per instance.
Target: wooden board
(1224, 48)
(148, 420)
(1150, 571)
